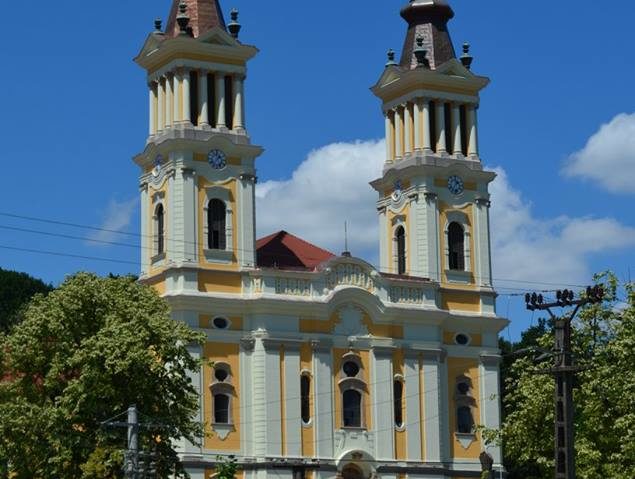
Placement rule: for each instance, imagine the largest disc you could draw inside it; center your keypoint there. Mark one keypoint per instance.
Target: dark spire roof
(204, 15)
(429, 20)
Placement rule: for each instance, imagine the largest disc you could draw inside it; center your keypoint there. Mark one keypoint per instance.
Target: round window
(462, 339)
(220, 323)
(351, 369)
(221, 375)
(463, 388)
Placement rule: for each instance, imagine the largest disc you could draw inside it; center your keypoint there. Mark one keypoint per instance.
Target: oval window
(462, 339)
(220, 323)
(351, 369)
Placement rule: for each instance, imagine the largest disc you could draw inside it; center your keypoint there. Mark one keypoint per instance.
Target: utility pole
(564, 371)
(132, 463)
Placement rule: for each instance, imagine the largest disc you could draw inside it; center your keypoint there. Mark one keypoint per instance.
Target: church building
(321, 366)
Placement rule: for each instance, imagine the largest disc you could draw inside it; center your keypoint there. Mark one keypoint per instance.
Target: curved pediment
(350, 272)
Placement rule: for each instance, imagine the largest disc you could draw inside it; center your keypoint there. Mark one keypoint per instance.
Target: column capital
(491, 359)
(483, 202)
(321, 345)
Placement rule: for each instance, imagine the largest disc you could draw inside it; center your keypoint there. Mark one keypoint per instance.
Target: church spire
(427, 19)
(203, 14)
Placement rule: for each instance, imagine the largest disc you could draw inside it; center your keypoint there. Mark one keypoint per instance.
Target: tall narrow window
(305, 392)
(221, 409)
(401, 250)
(456, 244)
(160, 230)
(465, 422)
(464, 137)
(211, 95)
(398, 399)
(352, 408)
(216, 224)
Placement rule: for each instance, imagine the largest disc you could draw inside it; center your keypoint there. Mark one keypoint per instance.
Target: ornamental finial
(182, 18)
(391, 58)
(234, 27)
(466, 58)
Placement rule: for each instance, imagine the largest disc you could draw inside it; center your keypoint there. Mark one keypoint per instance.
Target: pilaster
(433, 384)
(490, 403)
(292, 413)
(324, 420)
(414, 403)
(382, 402)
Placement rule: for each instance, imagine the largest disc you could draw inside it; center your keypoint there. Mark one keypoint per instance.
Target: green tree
(16, 289)
(82, 355)
(604, 342)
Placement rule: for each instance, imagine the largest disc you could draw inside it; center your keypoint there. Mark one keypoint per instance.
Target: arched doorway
(351, 471)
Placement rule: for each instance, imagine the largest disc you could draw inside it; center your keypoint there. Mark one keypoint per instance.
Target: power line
(177, 241)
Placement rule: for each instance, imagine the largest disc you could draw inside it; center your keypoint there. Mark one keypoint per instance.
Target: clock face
(455, 185)
(217, 159)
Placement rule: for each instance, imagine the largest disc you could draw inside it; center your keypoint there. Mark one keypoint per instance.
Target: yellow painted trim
(219, 282)
(308, 439)
(467, 210)
(461, 301)
(230, 184)
(401, 449)
(469, 368)
(230, 354)
(283, 406)
(366, 397)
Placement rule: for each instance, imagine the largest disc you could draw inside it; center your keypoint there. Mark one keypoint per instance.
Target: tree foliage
(82, 355)
(603, 342)
(16, 289)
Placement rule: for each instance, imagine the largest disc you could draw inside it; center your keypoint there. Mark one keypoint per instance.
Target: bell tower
(433, 194)
(198, 166)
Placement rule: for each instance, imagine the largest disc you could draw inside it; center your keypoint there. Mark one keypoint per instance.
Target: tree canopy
(82, 355)
(16, 289)
(604, 344)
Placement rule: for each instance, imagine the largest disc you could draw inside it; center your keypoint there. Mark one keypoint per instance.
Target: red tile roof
(204, 15)
(286, 251)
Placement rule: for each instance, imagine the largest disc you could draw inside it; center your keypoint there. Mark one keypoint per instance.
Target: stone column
(456, 130)
(237, 89)
(161, 105)
(152, 88)
(427, 140)
(418, 108)
(407, 129)
(203, 101)
(177, 97)
(220, 100)
(472, 131)
(169, 102)
(390, 141)
(490, 403)
(433, 414)
(146, 242)
(399, 133)
(382, 403)
(414, 401)
(440, 121)
(323, 393)
(187, 113)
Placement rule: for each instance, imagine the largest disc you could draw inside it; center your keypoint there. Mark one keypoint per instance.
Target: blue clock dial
(217, 159)
(455, 185)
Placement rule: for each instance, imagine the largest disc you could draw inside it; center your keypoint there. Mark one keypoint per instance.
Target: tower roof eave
(216, 44)
(452, 76)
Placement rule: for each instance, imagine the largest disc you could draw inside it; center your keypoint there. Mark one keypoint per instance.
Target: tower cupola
(428, 19)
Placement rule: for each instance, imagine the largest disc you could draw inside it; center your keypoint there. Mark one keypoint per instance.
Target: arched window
(400, 235)
(352, 408)
(216, 224)
(456, 245)
(305, 393)
(160, 229)
(221, 409)
(465, 422)
(398, 401)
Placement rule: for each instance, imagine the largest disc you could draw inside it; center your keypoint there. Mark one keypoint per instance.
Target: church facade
(321, 366)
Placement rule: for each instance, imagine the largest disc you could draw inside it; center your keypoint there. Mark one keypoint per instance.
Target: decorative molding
(406, 295)
(248, 177)
(465, 440)
(293, 287)
(248, 343)
(488, 359)
(483, 202)
(350, 275)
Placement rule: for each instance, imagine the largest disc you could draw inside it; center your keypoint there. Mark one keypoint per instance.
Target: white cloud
(608, 157)
(327, 189)
(117, 218)
(553, 250)
(331, 186)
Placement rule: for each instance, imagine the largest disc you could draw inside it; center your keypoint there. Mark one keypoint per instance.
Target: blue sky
(75, 107)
